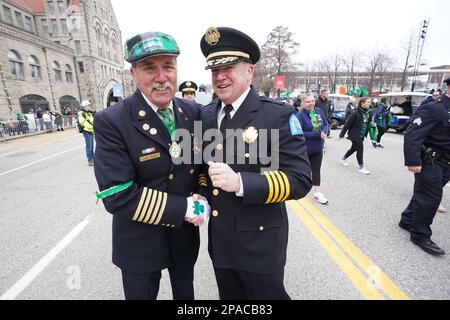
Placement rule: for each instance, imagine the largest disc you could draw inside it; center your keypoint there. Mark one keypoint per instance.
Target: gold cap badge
(212, 36)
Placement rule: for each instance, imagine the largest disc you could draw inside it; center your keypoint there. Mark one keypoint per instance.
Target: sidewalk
(28, 141)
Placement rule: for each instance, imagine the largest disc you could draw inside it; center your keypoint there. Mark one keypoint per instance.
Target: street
(56, 240)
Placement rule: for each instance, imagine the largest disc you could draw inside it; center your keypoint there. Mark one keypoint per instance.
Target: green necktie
(168, 120)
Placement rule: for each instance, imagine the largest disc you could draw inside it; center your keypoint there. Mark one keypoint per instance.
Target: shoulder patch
(296, 127)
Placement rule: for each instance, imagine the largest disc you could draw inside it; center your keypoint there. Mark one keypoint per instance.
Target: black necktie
(226, 120)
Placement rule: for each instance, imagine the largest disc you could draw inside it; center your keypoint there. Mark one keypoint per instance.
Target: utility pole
(420, 44)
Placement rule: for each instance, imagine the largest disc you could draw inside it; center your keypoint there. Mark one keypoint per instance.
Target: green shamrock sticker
(198, 208)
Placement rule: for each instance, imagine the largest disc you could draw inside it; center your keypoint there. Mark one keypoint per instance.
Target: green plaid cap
(150, 44)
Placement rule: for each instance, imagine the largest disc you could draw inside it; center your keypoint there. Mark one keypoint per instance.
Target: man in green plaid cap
(149, 195)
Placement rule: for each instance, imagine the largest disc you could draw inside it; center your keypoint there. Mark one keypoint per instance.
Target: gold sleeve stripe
(148, 209)
(144, 213)
(281, 182)
(161, 209)
(270, 183)
(141, 202)
(288, 186)
(276, 187)
(155, 208)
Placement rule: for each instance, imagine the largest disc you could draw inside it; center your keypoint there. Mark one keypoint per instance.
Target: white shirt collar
(236, 104)
(154, 107)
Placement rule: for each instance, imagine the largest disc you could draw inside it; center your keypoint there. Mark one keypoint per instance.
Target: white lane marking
(20, 285)
(43, 159)
(35, 147)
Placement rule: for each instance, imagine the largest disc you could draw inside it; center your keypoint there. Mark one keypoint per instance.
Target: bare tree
(385, 64)
(352, 61)
(408, 51)
(276, 55)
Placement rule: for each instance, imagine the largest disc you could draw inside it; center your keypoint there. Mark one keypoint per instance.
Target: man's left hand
(223, 177)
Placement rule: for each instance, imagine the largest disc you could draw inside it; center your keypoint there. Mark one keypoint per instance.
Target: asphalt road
(56, 240)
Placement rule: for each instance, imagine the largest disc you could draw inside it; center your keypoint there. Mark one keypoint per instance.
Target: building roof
(37, 6)
(34, 6)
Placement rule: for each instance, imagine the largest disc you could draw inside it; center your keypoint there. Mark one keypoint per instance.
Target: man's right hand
(415, 169)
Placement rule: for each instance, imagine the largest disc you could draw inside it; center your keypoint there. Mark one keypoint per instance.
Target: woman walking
(358, 126)
(315, 125)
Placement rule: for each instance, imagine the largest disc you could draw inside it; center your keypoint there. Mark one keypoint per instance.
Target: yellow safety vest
(86, 119)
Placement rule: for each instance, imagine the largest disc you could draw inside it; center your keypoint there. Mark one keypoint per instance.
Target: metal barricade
(13, 128)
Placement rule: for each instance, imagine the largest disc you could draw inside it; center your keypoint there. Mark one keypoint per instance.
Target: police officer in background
(248, 229)
(427, 155)
(148, 195)
(188, 89)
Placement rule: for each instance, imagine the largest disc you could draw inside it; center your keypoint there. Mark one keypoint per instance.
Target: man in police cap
(188, 89)
(427, 155)
(248, 229)
(147, 193)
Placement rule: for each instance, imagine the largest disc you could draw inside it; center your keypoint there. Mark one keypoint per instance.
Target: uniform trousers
(241, 285)
(427, 196)
(145, 286)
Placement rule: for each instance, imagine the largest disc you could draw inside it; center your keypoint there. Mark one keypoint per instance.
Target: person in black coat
(357, 126)
(247, 190)
(142, 186)
(427, 155)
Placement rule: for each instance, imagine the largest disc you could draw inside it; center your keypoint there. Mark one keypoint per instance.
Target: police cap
(224, 46)
(447, 81)
(188, 86)
(150, 44)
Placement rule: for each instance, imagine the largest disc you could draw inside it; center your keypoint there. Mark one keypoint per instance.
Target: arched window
(16, 65)
(69, 74)
(114, 48)
(57, 71)
(107, 44)
(99, 41)
(35, 68)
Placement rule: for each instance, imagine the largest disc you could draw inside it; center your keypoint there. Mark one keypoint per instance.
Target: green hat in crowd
(150, 44)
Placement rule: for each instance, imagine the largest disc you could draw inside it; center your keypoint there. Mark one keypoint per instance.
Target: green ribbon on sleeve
(113, 190)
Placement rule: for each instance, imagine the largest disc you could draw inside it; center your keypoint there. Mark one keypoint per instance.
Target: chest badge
(175, 150)
(148, 151)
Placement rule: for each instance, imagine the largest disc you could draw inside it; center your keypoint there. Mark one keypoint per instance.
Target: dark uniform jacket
(250, 233)
(353, 125)
(149, 232)
(430, 126)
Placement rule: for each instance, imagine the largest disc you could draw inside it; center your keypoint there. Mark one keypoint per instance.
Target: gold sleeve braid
(151, 206)
(202, 182)
(279, 188)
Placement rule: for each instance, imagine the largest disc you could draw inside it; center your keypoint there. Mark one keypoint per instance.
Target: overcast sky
(322, 27)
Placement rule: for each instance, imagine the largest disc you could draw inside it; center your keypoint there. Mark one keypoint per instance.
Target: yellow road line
(346, 265)
(380, 279)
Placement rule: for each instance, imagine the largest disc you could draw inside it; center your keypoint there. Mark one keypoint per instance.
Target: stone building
(55, 53)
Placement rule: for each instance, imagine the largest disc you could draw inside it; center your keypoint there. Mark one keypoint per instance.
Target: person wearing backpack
(382, 118)
(85, 124)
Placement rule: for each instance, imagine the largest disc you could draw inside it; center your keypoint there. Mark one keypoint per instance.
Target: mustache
(160, 86)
